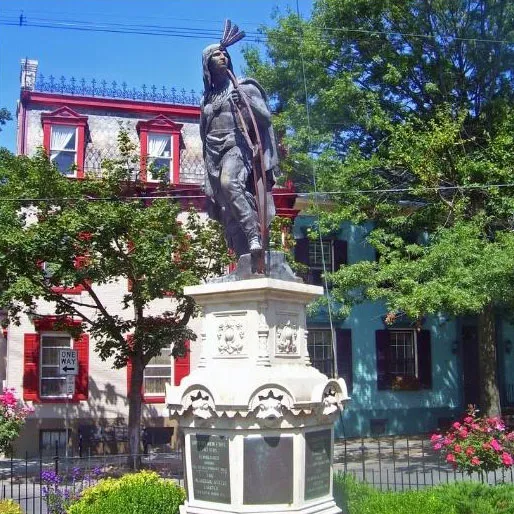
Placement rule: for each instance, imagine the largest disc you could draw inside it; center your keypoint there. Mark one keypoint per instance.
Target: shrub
(9, 507)
(459, 498)
(138, 493)
(12, 418)
(476, 444)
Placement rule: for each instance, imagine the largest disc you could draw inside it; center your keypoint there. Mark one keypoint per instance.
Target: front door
(469, 352)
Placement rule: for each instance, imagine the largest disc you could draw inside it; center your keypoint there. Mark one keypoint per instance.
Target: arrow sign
(68, 362)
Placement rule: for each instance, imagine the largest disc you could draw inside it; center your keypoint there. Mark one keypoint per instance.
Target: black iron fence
(387, 463)
(401, 463)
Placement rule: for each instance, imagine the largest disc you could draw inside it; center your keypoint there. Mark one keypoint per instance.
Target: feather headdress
(231, 35)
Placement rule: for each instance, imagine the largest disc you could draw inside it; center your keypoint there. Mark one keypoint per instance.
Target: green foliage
(411, 126)
(460, 498)
(98, 231)
(10, 507)
(143, 492)
(5, 116)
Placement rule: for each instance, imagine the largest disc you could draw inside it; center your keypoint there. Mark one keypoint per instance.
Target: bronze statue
(239, 149)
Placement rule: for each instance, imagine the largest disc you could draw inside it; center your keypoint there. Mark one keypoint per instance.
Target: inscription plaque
(210, 468)
(268, 470)
(317, 463)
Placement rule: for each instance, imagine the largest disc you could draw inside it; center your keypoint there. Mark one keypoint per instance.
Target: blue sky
(134, 58)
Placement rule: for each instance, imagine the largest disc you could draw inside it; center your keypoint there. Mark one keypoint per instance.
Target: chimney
(28, 74)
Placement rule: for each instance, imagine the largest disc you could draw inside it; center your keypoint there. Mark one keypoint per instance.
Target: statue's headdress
(231, 35)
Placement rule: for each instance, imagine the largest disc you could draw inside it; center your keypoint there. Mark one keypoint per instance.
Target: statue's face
(218, 63)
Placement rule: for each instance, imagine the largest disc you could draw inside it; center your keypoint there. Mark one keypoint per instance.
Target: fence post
(56, 458)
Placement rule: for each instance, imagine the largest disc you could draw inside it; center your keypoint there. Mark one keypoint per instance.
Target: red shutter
(129, 375)
(31, 367)
(182, 366)
(82, 380)
(424, 359)
(340, 253)
(344, 355)
(383, 349)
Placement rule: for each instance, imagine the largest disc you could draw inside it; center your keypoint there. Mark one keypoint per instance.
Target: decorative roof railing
(104, 89)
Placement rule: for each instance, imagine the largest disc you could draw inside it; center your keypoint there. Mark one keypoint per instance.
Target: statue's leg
(234, 172)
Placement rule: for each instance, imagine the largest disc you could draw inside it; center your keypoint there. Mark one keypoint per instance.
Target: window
(51, 441)
(159, 157)
(63, 148)
(41, 380)
(403, 359)
(52, 384)
(157, 374)
(313, 252)
(160, 149)
(64, 139)
(319, 345)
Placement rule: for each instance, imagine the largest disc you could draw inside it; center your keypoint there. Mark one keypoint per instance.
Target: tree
(5, 116)
(411, 118)
(99, 231)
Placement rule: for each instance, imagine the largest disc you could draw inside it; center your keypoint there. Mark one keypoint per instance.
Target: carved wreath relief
(230, 337)
(287, 335)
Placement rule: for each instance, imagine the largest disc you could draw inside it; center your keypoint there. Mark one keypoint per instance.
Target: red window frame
(66, 116)
(77, 289)
(160, 125)
(181, 368)
(32, 353)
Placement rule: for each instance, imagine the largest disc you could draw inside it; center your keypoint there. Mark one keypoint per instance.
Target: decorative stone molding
(201, 404)
(332, 397)
(287, 335)
(263, 333)
(269, 403)
(230, 336)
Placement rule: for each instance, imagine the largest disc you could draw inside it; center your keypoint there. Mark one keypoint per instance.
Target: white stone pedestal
(257, 418)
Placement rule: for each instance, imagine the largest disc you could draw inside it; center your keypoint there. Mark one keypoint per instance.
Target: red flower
(475, 461)
(457, 448)
(470, 451)
(507, 459)
(450, 458)
(486, 446)
(463, 433)
(496, 446)
(468, 419)
(456, 425)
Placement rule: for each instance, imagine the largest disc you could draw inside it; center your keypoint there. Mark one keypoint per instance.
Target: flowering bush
(476, 444)
(12, 418)
(59, 496)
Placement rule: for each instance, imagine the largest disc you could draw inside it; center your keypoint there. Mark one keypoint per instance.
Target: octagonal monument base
(257, 418)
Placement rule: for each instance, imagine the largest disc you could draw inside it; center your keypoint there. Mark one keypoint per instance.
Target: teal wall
(405, 411)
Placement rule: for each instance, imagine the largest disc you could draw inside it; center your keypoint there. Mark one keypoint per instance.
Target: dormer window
(63, 148)
(160, 157)
(64, 139)
(160, 150)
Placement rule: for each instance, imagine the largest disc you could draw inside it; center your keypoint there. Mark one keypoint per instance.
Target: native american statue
(239, 149)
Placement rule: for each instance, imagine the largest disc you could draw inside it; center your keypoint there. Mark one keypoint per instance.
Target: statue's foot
(255, 245)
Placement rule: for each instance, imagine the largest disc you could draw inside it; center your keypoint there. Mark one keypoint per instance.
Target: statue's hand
(235, 96)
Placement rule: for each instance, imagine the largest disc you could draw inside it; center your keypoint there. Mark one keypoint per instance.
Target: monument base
(257, 418)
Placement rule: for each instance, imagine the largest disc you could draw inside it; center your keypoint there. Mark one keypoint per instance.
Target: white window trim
(73, 172)
(50, 334)
(151, 157)
(415, 348)
(169, 377)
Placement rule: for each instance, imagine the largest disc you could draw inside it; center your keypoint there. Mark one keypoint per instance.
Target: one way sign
(68, 364)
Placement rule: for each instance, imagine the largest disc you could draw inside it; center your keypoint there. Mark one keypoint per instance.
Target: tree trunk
(487, 365)
(134, 417)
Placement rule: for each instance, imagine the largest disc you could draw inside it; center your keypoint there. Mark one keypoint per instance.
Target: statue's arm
(257, 103)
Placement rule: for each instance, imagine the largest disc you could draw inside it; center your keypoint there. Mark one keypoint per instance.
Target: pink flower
(437, 446)
(507, 459)
(475, 426)
(486, 446)
(457, 448)
(447, 441)
(475, 461)
(463, 433)
(456, 425)
(510, 436)
(450, 458)
(500, 425)
(468, 419)
(470, 451)
(496, 446)
(435, 437)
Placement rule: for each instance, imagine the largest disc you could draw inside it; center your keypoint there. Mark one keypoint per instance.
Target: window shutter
(129, 375)
(182, 366)
(82, 380)
(344, 355)
(31, 367)
(340, 253)
(383, 349)
(424, 359)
